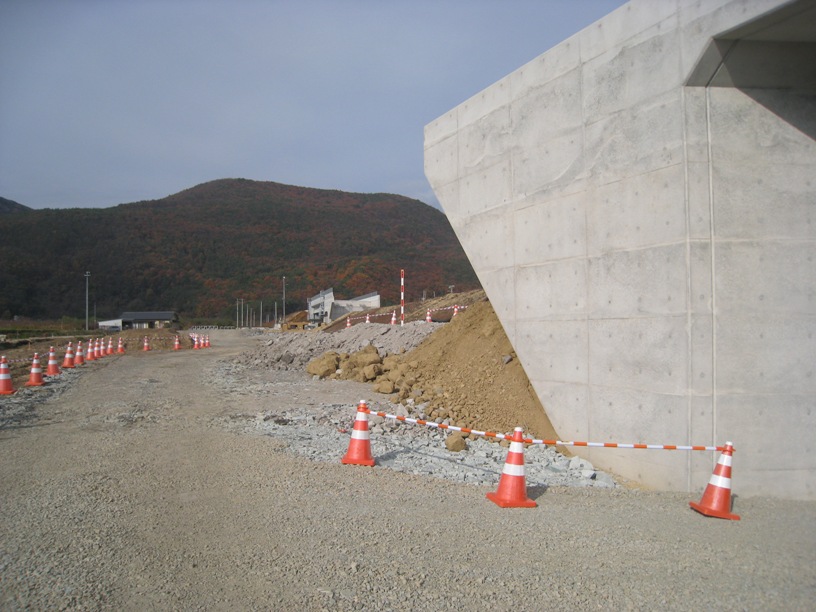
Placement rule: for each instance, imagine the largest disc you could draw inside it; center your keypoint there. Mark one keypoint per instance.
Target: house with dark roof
(154, 319)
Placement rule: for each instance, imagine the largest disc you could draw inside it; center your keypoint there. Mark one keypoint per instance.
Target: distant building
(324, 308)
(319, 306)
(110, 325)
(148, 320)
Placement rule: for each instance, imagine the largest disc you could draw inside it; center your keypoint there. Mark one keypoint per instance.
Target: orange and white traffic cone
(512, 491)
(146, 345)
(68, 361)
(53, 366)
(394, 318)
(121, 346)
(177, 344)
(89, 354)
(97, 355)
(428, 316)
(35, 379)
(6, 387)
(455, 309)
(348, 322)
(368, 320)
(359, 450)
(79, 358)
(716, 500)
(206, 342)
(109, 350)
(195, 343)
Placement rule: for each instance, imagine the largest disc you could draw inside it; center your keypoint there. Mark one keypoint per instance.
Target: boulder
(384, 386)
(366, 357)
(324, 366)
(370, 372)
(455, 442)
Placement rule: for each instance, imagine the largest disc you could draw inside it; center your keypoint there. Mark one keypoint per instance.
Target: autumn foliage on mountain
(199, 250)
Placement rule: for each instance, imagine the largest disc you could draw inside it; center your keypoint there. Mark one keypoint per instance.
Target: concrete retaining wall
(638, 203)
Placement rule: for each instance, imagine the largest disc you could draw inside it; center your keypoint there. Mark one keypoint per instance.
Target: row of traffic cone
(512, 489)
(96, 350)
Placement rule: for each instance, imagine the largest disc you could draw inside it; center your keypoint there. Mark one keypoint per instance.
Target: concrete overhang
(774, 51)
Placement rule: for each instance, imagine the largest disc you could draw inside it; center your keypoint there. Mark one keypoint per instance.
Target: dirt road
(126, 492)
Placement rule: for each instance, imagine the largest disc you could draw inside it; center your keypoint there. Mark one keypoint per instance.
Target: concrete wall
(638, 204)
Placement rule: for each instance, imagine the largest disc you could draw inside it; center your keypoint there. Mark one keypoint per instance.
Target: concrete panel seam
(714, 389)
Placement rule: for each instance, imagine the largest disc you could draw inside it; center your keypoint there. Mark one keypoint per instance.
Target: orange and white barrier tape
(500, 436)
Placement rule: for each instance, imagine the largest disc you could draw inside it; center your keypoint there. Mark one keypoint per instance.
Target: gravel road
(153, 482)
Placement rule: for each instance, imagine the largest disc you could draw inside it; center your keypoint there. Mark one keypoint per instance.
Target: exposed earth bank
(178, 480)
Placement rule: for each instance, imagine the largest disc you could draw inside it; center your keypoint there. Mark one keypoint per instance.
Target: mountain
(10, 206)
(199, 250)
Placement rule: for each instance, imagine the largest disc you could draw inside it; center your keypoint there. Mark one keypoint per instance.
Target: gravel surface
(190, 481)
(293, 351)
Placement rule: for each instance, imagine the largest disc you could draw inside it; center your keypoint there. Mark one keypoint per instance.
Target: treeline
(198, 250)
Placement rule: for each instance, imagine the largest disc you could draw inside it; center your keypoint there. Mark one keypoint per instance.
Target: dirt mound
(483, 382)
(465, 373)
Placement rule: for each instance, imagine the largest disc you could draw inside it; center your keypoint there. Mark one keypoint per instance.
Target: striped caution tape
(624, 445)
(390, 314)
(371, 316)
(499, 436)
(456, 307)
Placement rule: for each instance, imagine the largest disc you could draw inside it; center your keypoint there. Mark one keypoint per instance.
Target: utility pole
(284, 299)
(236, 313)
(261, 316)
(87, 276)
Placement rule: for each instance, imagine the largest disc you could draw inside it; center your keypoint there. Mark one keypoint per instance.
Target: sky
(104, 102)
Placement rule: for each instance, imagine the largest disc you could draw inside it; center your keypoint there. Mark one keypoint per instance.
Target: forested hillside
(200, 249)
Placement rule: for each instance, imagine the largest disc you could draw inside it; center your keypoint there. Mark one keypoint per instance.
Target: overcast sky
(104, 102)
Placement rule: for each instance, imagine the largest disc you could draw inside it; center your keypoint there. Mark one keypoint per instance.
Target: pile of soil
(483, 382)
(465, 373)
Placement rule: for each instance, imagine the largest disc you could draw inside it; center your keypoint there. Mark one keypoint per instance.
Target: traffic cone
(428, 316)
(206, 342)
(36, 377)
(97, 352)
(146, 345)
(68, 362)
(455, 309)
(368, 320)
(89, 354)
(394, 317)
(195, 343)
(512, 491)
(348, 322)
(121, 347)
(53, 367)
(5, 377)
(79, 358)
(359, 450)
(177, 344)
(110, 346)
(716, 500)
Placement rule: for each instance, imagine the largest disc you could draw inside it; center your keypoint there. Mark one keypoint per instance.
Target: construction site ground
(122, 489)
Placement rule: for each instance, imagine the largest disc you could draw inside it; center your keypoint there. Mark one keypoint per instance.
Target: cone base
(34, 384)
(7, 392)
(714, 513)
(357, 461)
(503, 502)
